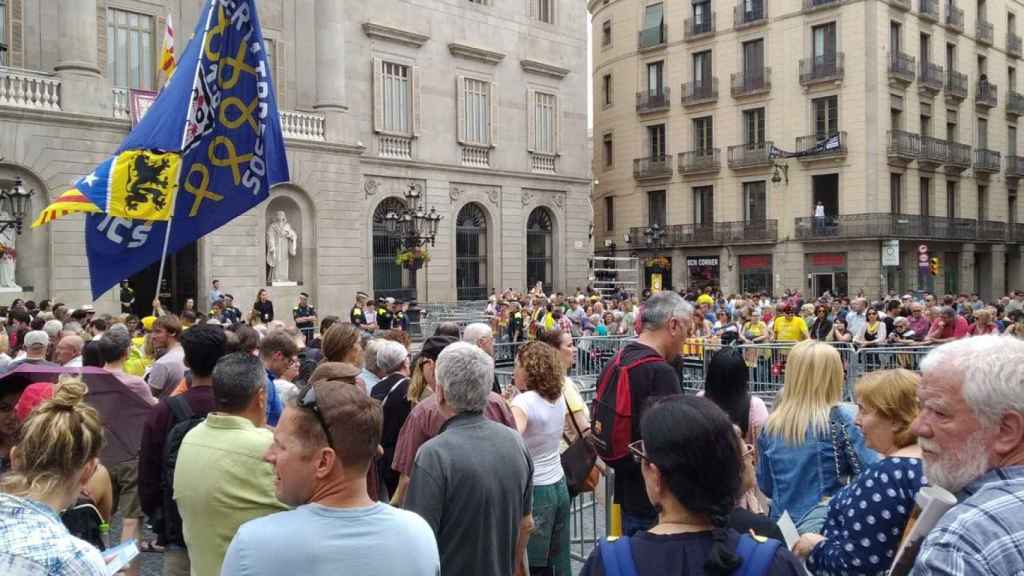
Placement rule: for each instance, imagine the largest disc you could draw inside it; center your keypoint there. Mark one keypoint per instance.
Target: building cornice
(474, 53)
(487, 173)
(544, 69)
(392, 34)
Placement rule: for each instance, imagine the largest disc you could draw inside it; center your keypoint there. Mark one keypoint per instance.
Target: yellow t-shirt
(790, 330)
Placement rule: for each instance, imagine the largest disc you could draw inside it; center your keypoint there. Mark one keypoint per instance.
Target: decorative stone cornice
(392, 34)
(544, 69)
(474, 53)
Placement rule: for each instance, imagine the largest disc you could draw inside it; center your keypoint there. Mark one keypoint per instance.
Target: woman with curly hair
(539, 412)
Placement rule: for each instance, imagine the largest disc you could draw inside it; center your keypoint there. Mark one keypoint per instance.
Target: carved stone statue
(281, 245)
(8, 259)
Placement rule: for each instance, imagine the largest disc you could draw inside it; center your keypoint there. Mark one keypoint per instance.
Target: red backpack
(611, 413)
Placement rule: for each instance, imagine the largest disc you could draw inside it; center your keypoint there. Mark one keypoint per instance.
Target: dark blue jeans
(633, 524)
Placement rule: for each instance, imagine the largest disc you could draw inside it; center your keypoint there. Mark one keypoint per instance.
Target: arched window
(539, 249)
(471, 253)
(389, 279)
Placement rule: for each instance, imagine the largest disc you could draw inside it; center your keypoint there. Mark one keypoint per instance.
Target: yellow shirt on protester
(790, 330)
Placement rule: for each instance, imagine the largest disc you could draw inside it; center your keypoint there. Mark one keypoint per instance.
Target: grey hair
(237, 379)
(371, 348)
(992, 372)
(390, 356)
(53, 328)
(948, 311)
(465, 373)
(476, 332)
(661, 308)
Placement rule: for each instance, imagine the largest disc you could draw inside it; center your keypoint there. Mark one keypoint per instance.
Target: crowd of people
(266, 448)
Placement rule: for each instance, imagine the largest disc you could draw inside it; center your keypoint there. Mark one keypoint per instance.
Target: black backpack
(183, 419)
(83, 520)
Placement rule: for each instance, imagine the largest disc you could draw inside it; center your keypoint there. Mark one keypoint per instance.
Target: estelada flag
(70, 202)
(167, 53)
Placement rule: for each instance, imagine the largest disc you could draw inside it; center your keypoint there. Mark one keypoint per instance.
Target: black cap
(433, 346)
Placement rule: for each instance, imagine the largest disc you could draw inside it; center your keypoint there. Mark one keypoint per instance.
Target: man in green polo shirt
(221, 480)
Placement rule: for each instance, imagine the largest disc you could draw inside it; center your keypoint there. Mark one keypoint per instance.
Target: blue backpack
(617, 556)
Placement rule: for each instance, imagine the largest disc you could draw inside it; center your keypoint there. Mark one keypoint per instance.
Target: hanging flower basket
(7, 252)
(413, 259)
(658, 262)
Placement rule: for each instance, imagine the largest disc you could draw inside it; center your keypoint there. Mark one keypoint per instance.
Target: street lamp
(14, 202)
(413, 224)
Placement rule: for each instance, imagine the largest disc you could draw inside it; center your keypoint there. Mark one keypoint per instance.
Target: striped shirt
(984, 533)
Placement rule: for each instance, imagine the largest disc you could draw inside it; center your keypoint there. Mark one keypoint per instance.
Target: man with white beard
(971, 432)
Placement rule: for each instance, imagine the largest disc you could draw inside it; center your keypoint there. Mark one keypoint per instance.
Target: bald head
(68, 348)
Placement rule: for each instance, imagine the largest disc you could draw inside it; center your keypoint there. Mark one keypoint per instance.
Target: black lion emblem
(146, 184)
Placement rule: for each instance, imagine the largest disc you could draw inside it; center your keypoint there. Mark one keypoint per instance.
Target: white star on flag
(90, 179)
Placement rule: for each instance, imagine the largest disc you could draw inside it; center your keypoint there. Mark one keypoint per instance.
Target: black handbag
(843, 448)
(578, 461)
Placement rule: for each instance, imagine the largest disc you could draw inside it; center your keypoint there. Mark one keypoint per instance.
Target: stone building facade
(479, 106)
(900, 119)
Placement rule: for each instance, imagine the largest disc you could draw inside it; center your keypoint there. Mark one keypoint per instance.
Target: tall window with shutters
(131, 54)
(477, 118)
(542, 130)
(4, 35)
(396, 110)
(543, 10)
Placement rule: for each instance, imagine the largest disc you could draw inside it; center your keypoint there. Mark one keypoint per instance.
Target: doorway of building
(826, 191)
(823, 282)
(180, 282)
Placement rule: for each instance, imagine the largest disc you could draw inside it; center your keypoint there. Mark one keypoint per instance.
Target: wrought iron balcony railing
(648, 101)
(1014, 103)
(811, 5)
(984, 32)
(699, 28)
(1013, 44)
(652, 167)
(1014, 167)
(992, 231)
(934, 151)
(822, 145)
(986, 161)
(751, 82)
(825, 68)
(956, 85)
(932, 76)
(751, 155)
(700, 161)
(986, 94)
(887, 225)
(902, 66)
(954, 18)
(717, 233)
(750, 13)
(903, 146)
(929, 9)
(700, 92)
(958, 156)
(653, 37)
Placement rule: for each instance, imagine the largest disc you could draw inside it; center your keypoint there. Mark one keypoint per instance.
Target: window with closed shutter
(475, 117)
(826, 116)
(544, 131)
(4, 34)
(131, 54)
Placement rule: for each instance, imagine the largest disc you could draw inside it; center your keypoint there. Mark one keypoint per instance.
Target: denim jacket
(796, 478)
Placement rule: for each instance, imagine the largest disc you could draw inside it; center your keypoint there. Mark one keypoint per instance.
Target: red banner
(755, 262)
(828, 260)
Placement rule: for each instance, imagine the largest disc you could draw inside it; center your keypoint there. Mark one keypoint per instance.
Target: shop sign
(890, 253)
(755, 262)
(828, 260)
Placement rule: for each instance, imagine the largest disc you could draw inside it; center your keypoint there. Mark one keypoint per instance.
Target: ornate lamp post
(14, 203)
(413, 225)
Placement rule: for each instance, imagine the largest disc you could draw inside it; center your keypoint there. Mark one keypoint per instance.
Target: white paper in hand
(119, 556)
(788, 529)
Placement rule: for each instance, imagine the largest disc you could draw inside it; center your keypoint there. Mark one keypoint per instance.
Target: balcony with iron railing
(983, 31)
(929, 9)
(932, 77)
(749, 13)
(824, 68)
(956, 86)
(699, 28)
(653, 37)
(812, 5)
(751, 83)
(654, 100)
(1014, 103)
(700, 161)
(1013, 44)
(652, 167)
(885, 225)
(901, 4)
(992, 231)
(1014, 167)
(904, 147)
(934, 151)
(1016, 232)
(700, 92)
(718, 233)
(958, 156)
(901, 67)
(986, 161)
(954, 18)
(986, 94)
(821, 146)
(753, 155)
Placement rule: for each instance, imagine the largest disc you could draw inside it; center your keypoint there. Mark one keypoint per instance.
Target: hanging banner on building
(829, 145)
(140, 101)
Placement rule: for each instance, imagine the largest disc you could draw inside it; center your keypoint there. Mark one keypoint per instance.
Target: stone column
(83, 88)
(997, 279)
(967, 264)
(331, 95)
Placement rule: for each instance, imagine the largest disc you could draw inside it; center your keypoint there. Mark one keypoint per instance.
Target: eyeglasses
(637, 451)
(307, 400)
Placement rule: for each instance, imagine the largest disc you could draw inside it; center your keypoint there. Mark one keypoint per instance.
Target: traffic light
(933, 266)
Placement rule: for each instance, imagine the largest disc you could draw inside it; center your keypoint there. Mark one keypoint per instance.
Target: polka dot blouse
(866, 520)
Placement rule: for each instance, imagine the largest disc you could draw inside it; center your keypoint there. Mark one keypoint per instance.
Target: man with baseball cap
(321, 453)
(36, 343)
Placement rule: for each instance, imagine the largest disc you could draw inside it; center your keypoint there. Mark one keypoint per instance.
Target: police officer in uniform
(515, 323)
(356, 316)
(127, 298)
(305, 317)
(385, 318)
(398, 319)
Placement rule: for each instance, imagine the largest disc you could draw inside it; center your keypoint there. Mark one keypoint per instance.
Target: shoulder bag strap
(393, 388)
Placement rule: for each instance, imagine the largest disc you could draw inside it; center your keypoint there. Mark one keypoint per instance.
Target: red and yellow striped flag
(167, 62)
(70, 202)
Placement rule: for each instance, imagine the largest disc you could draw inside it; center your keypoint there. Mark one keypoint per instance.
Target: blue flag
(218, 115)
